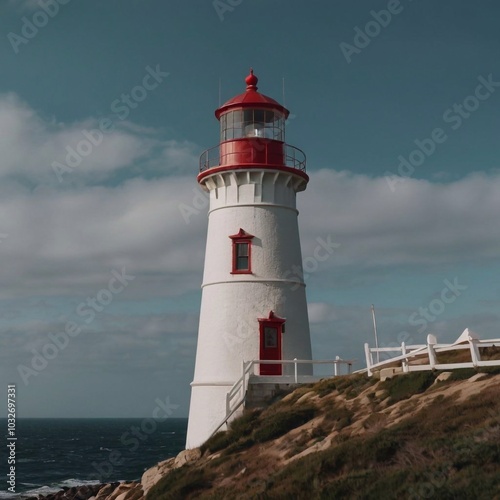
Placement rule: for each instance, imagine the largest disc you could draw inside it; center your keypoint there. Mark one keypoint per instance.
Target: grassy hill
(413, 436)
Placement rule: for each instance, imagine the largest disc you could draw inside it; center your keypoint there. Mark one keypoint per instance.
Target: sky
(105, 107)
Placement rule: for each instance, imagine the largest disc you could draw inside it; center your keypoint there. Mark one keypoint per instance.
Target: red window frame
(241, 237)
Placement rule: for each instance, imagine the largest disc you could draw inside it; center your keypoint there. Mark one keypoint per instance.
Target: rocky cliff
(419, 435)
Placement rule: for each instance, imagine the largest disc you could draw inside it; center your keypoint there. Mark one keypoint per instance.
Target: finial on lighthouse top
(251, 80)
(251, 98)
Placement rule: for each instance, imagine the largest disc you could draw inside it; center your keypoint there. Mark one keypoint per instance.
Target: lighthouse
(253, 304)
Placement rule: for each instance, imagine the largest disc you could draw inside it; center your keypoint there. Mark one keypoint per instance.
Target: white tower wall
(262, 203)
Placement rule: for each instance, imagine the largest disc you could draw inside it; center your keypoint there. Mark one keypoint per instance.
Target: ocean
(53, 453)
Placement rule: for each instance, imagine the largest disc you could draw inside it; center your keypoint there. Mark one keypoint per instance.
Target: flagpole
(375, 332)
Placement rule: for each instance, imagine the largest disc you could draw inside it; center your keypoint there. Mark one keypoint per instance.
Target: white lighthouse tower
(253, 303)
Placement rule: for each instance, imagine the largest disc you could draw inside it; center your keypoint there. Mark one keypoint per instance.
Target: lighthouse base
(208, 408)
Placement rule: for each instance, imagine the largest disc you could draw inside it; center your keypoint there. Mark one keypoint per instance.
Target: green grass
(351, 385)
(238, 429)
(461, 374)
(405, 386)
(281, 422)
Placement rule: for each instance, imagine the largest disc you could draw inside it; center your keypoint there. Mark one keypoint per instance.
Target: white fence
(408, 353)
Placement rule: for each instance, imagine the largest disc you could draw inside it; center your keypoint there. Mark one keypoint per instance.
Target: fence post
(475, 355)
(431, 342)
(296, 372)
(368, 360)
(246, 376)
(404, 363)
(336, 366)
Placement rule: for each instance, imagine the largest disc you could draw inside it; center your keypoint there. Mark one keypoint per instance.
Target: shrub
(243, 426)
(461, 374)
(238, 428)
(240, 445)
(340, 416)
(217, 442)
(325, 387)
(179, 483)
(492, 370)
(279, 423)
(405, 386)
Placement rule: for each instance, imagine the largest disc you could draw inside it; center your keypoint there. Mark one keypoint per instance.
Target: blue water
(52, 453)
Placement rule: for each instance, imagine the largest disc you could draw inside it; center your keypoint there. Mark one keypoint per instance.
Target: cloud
(421, 223)
(67, 237)
(37, 150)
(124, 207)
(69, 241)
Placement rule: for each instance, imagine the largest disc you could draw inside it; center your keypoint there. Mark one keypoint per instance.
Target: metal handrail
(293, 157)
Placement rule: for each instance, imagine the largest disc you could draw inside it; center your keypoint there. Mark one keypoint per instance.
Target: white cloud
(64, 239)
(320, 312)
(420, 223)
(44, 151)
(69, 241)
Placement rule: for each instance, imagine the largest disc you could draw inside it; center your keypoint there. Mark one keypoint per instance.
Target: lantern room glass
(241, 123)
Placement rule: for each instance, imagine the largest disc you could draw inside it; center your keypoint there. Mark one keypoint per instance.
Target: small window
(270, 337)
(242, 253)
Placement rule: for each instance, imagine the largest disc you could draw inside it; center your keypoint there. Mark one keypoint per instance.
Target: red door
(271, 330)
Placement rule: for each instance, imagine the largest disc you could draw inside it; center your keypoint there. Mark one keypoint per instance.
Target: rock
(120, 493)
(85, 492)
(187, 456)
(386, 373)
(134, 493)
(477, 376)
(106, 490)
(442, 377)
(305, 397)
(365, 401)
(153, 475)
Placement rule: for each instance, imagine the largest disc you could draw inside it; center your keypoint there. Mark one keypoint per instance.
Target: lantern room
(240, 123)
(252, 134)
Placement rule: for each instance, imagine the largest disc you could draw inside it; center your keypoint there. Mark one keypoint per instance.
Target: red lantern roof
(251, 99)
